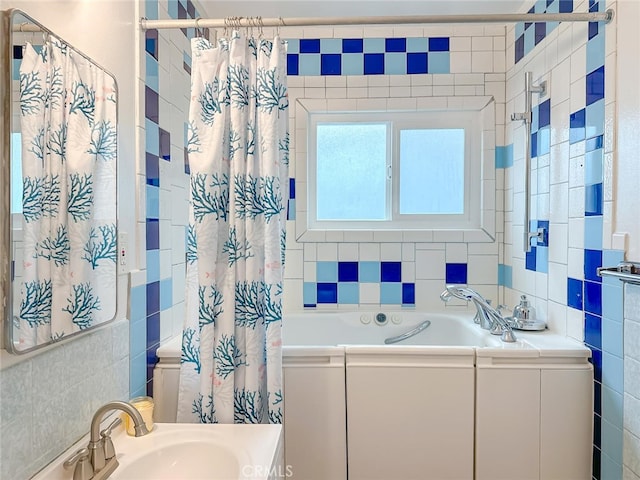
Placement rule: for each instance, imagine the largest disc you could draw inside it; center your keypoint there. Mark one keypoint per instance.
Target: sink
(190, 452)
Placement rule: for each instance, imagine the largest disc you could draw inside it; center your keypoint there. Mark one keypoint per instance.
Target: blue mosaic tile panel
(529, 34)
(368, 56)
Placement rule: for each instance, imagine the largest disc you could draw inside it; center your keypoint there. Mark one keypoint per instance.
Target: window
(392, 170)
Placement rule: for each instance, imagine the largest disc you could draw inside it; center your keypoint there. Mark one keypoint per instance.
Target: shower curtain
(69, 148)
(238, 147)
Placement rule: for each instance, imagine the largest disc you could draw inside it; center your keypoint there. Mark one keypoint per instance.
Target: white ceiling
(349, 8)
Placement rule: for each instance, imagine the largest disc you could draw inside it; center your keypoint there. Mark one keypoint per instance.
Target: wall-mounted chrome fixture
(529, 90)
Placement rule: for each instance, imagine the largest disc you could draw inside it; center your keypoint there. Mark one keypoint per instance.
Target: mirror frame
(6, 124)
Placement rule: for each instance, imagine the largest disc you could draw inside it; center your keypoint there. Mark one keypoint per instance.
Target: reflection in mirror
(63, 143)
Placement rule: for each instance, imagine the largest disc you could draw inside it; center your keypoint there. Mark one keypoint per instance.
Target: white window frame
(475, 114)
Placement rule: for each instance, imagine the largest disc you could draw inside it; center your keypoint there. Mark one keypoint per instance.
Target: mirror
(61, 161)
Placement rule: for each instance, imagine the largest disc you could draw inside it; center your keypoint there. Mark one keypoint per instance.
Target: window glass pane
(432, 171)
(351, 164)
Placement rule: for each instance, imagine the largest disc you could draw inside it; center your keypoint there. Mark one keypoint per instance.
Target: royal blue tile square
(544, 225)
(439, 62)
(152, 169)
(164, 144)
(395, 63)
(309, 45)
(187, 168)
(597, 398)
(519, 48)
(182, 11)
(595, 86)
(566, 6)
(348, 293)
(292, 64)
(369, 272)
(352, 64)
(593, 298)
(530, 259)
(374, 63)
(347, 271)
(352, 45)
(577, 126)
(534, 144)
(417, 63)
(191, 9)
(408, 293)
(593, 199)
(309, 294)
(327, 271)
(390, 293)
(153, 298)
(456, 273)
(439, 44)
(549, 2)
(596, 360)
(331, 45)
(540, 32)
(327, 292)
(153, 335)
(593, 330)
(292, 188)
(597, 422)
(395, 45)
(151, 105)
(593, 29)
(391, 271)
(417, 44)
(153, 233)
(151, 42)
(592, 260)
(330, 64)
(574, 293)
(544, 114)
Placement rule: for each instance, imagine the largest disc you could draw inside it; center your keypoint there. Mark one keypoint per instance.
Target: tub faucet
(488, 317)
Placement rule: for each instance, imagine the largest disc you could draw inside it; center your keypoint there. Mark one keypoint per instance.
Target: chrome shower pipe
(529, 90)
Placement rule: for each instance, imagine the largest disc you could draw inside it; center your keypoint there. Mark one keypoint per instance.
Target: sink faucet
(98, 460)
(488, 317)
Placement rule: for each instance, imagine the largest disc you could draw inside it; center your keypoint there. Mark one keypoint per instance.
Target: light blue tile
(138, 372)
(153, 201)
(327, 272)
(611, 439)
(369, 272)
(612, 339)
(609, 468)
(593, 167)
(535, 112)
(505, 275)
(309, 293)
(612, 372)
(373, 45)
(593, 232)
(416, 44)
(137, 337)
(595, 52)
(540, 6)
(152, 135)
(504, 156)
(153, 266)
(166, 294)
(542, 259)
(348, 293)
(293, 45)
(594, 119)
(151, 9)
(151, 74)
(519, 29)
(395, 63)
(172, 8)
(138, 307)
(553, 8)
(612, 406)
(352, 64)
(292, 209)
(391, 293)
(612, 257)
(438, 62)
(529, 39)
(612, 300)
(544, 140)
(309, 64)
(330, 45)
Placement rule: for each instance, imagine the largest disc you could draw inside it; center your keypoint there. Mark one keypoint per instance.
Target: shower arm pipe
(236, 22)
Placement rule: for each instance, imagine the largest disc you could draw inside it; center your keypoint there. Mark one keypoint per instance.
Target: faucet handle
(83, 469)
(109, 449)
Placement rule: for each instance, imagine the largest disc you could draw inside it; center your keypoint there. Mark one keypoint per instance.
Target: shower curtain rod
(237, 22)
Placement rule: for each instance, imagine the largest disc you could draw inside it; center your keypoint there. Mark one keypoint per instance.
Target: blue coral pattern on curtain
(69, 148)
(238, 147)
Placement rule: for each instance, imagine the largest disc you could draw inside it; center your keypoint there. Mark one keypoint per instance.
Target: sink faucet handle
(109, 449)
(83, 469)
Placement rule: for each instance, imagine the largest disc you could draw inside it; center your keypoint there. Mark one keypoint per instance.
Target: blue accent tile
(352, 64)
(593, 30)
(309, 64)
(327, 292)
(153, 298)
(439, 62)
(151, 42)
(373, 45)
(347, 271)
(151, 105)
(348, 293)
(612, 257)
(612, 406)
(595, 52)
(505, 275)
(395, 63)
(530, 259)
(151, 9)
(534, 118)
(152, 140)
(609, 468)
(574, 293)
(352, 45)
(597, 398)
(612, 300)
(164, 144)
(417, 44)
(613, 372)
(309, 45)
(309, 294)
(529, 39)
(593, 298)
(138, 306)
(593, 232)
(293, 45)
(544, 241)
(391, 293)
(519, 48)
(594, 119)
(593, 200)
(544, 140)
(291, 209)
(595, 461)
(566, 6)
(390, 271)
(593, 166)
(439, 44)
(595, 86)
(152, 78)
(327, 271)
(166, 294)
(417, 63)
(153, 202)
(544, 114)
(408, 294)
(456, 273)
(542, 259)
(138, 374)
(504, 156)
(594, 143)
(331, 45)
(593, 330)
(592, 260)
(330, 64)
(137, 337)
(153, 233)
(292, 188)
(369, 272)
(374, 63)
(153, 335)
(596, 360)
(612, 337)
(293, 64)
(153, 266)
(534, 144)
(540, 32)
(519, 30)
(597, 434)
(577, 126)
(395, 45)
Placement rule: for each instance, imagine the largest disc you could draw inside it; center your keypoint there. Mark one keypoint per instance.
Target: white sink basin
(190, 452)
